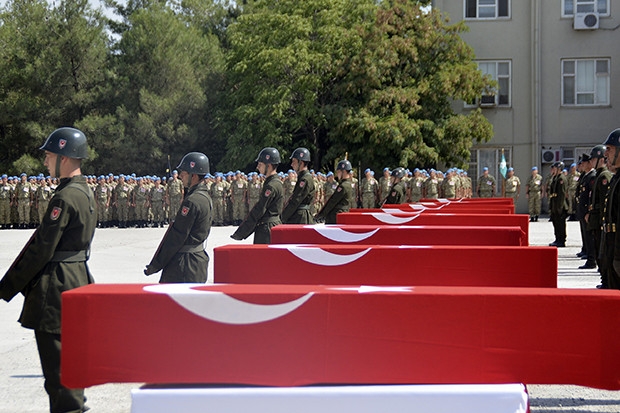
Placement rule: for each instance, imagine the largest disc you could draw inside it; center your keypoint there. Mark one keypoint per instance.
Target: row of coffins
(369, 301)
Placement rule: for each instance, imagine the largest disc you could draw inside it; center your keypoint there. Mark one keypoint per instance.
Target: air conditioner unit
(551, 155)
(586, 21)
(487, 101)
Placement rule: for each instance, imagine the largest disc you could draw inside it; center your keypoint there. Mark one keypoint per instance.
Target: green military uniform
(486, 186)
(533, 187)
(370, 188)
(599, 194)
(511, 186)
(122, 196)
(265, 214)
(254, 191)
(340, 201)
(385, 185)
(297, 210)
(431, 188)
(140, 195)
(23, 197)
(6, 192)
(218, 196)
(573, 182)
(44, 194)
(558, 207)
(450, 187)
(175, 195)
(397, 194)
(417, 186)
(156, 200)
(102, 197)
(239, 195)
(54, 261)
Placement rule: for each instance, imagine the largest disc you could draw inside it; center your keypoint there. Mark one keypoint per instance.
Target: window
(490, 158)
(487, 9)
(500, 71)
(585, 82)
(570, 7)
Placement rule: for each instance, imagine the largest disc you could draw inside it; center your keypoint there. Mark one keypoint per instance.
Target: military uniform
(370, 188)
(122, 194)
(181, 253)
(218, 195)
(511, 188)
(573, 182)
(297, 209)
(397, 194)
(610, 237)
(533, 188)
(486, 186)
(6, 192)
(431, 188)
(175, 195)
(584, 193)
(54, 261)
(140, 195)
(44, 194)
(157, 197)
(239, 196)
(385, 185)
(265, 214)
(340, 201)
(558, 207)
(102, 197)
(599, 194)
(417, 187)
(23, 197)
(254, 192)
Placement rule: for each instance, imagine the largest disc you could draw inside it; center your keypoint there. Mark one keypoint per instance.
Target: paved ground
(119, 256)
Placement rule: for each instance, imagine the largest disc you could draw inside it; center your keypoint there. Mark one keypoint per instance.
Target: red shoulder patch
(185, 211)
(302, 184)
(268, 192)
(55, 214)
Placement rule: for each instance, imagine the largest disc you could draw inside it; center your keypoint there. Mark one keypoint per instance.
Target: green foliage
(28, 165)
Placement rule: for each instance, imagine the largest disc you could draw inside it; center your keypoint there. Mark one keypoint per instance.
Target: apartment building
(557, 64)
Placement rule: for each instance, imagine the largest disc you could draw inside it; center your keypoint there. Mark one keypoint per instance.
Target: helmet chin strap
(57, 168)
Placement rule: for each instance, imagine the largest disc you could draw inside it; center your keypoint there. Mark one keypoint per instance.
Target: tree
(52, 62)
(394, 105)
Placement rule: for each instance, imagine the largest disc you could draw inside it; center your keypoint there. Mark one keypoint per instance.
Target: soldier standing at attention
(397, 194)
(156, 200)
(558, 204)
(5, 202)
(44, 194)
(431, 186)
(181, 255)
(238, 197)
(297, 209)
(573, 182)
(512, 186)
(611, 217)
(486, 184)
(254, 189)
(370, 190)
(23, 198)
(533, 188)
(385, 184)
(122, 201)
(342, 198)
(584, 193)
(54, 260)
(218, 196)
(417, 185)
(597, 203)
(266, 213)
(175, 193)
(102, 196)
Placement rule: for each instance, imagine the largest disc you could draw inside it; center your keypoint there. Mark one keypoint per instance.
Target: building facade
(557, 66)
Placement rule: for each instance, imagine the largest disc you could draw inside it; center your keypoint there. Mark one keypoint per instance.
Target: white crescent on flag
(222, 308)
(342, 235)
(317, 256)
(391, 219)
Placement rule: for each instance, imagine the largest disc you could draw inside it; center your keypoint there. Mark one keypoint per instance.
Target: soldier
(266, 213)
(385, 184)
(175, 193)
(329, 187)
(533, 188)
(597, 203)
(558, 204)
(486, 184)
(611, 217)
(181, 255)
(584, 193)
(122, 201)
(417, 186)
(431, 186)
(54, 260)
(239, 196)
(342, 198)
(512, 186)
(254, 190)
(319, 197)
(157, 201)
(297, 209)
(397, 194)
(450, 184)
(6, 192)
(218, 196)
(573, 181)
(140, 198)
(23, 199)
(370, 190)
(102, 197)
(43, 195)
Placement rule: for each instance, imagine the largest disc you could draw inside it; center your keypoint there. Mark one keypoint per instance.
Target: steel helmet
(558, 164)
(301, 154)
(194, 163)
(69, 142)
(398, 172)
(344, 165)
(598, 151)
(268, 156)
(613, 139)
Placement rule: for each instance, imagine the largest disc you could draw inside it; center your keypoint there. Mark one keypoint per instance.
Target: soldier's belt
(608, 228)
(70, 256)
(191, 248)
(303, 207)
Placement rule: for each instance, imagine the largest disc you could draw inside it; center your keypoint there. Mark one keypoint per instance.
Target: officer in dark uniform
(597, 203)
(342, 198)
(181, 252)
(54, 260)
(587, 180)
(611, 216)
(266, 213)
(558, 204)
(297, 210)
(397, 194)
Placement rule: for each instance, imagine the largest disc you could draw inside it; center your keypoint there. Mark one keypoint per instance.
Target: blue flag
(502, 166)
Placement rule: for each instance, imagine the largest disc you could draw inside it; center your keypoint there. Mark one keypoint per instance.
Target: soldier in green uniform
(140, 198)
(512, 186)
(533, 189)
(254, 190)
(181, 253)
(239, 189)
(266, 213)
(558, 204)
(175, 193)
(102, 197)
(6, 192)
(297, 208)
(342, 198)
(329, 187)
(23, 199)
(450, 184)
(54, 260)
(417, 186)
(156, 201)
(610, 253)
(43, 195)
(431, 186)
(385, 184)
(218, 196)
(370, 190)
(486, 184)
(597, 203)
(122, 200)
(397, 193)
(573, 182)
